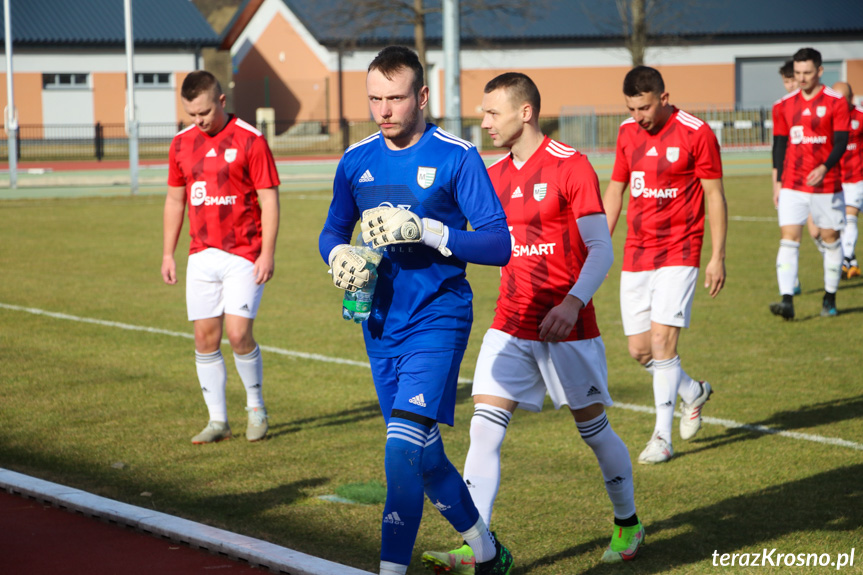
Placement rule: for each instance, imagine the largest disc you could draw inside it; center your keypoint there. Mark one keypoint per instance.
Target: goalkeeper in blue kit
(415, 188)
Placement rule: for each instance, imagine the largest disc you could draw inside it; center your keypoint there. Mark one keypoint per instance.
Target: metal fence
(585, 130)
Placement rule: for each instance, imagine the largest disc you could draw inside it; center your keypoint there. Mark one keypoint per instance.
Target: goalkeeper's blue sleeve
(488, 245)
(341, 217)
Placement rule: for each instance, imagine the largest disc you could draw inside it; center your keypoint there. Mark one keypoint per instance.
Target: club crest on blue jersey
(230, 155)
(425, 176)
(539, 191)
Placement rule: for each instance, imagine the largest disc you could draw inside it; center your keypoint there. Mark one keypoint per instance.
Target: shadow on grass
(261, 501)
(365, 411)
(827, 502)
(806, 417)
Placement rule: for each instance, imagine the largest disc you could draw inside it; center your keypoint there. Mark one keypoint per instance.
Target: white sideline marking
(727, 423)
(218, 541)
(730, 424)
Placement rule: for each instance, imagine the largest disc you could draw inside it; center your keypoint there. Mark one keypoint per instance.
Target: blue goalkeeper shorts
(421, 382)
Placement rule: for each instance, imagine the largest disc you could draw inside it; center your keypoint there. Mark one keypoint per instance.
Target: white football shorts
(853, 194)
(663, 296)
(828, 210)
(220, 283)
(573, 373)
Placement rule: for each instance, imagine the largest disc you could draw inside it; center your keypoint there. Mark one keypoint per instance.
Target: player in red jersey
(670, 161)
(810, 133)
(852, 181)
(786, 72)
(223, 169)
(544, 338)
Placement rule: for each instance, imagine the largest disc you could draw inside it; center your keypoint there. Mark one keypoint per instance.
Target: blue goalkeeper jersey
(422, 300)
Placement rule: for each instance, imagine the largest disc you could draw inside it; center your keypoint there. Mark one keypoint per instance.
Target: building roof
(98, 23)
(581, 21)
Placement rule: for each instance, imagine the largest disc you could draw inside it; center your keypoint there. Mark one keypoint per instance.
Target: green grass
(76, 398)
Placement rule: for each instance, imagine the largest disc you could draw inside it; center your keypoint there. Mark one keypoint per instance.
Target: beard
(405, 128)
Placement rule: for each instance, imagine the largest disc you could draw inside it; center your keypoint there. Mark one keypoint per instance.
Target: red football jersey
(542, 201)
(222, 174)
(665, 216)
(852, 160)
(809, 126)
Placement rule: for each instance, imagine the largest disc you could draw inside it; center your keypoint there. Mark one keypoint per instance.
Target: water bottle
(357, 305)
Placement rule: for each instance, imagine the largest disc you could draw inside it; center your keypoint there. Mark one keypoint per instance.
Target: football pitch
(98, 391)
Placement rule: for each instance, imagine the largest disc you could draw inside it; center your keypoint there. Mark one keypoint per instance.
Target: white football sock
(849, 237)
(614, 462)
(689, 389)
(388, 568)
(648, 366)
(832, 266)
(213, 376)
(786, 266)
(482, 465)
(481, 541)
(666, 381)
(251, 370)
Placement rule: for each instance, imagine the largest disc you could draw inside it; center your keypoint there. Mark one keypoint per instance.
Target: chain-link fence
(584, 129)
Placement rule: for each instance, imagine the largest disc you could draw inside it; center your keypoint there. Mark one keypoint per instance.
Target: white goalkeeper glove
(383, 226)
(348, 268)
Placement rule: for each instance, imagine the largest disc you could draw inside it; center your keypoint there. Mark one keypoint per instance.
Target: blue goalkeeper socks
(415, 462)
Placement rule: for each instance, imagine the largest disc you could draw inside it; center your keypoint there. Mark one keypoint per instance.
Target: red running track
(38, 539)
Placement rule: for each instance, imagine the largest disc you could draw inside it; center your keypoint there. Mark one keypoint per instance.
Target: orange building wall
(598, 88)
(601, 88)
(356, 102)
(109, 97)
(179, 77)
(297, 84)
(28, 100)
(855, 76)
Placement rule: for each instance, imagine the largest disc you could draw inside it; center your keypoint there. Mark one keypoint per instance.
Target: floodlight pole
(11, 119)
(452, 67)
(131, 117)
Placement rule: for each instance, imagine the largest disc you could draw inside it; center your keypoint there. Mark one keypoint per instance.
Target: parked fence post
(99, 142)
(346, 136)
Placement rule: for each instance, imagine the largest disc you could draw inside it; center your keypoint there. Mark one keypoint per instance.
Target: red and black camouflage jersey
(809, 126)
(852, 160)
(665, 215)
(543, 200)
(222, 174)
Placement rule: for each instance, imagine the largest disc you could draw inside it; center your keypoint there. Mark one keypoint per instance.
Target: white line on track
(727, 423)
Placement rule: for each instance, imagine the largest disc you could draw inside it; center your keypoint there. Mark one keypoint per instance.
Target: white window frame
(77, 81)
(159, 80)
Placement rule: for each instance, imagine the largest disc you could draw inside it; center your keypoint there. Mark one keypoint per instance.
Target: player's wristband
(435, 235)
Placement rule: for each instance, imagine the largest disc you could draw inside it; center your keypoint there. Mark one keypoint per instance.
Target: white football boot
(657, 451)
(690, 420)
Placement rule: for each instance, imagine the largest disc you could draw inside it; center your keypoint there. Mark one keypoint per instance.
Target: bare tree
(646, 23)
(361, 17)
(633, 16)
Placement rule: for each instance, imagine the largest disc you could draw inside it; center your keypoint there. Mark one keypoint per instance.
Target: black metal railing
(585, 130)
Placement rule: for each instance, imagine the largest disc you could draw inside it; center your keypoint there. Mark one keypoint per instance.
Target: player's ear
(423, 97)
(663, 98)
(526, 112)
